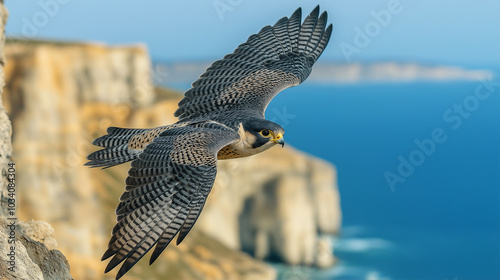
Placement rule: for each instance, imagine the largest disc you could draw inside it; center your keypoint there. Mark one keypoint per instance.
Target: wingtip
(156, 253)
(313, 15)
(123, 269)
(128, 264)
(107, 254)
(153, 259)
(328, 33)
(114, 262)
(110, 266)
(323, 17)
(181, 237)
(119, 274)
(329, 29)
(160, 247)
(315, 10)
(297, 13)
(179, 240)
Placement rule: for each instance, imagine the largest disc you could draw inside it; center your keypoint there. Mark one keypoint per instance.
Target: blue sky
(427, 31)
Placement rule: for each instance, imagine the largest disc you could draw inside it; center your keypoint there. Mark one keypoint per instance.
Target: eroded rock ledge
(35, 256)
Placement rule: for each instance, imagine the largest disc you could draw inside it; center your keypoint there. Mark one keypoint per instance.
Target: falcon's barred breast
(221, 117)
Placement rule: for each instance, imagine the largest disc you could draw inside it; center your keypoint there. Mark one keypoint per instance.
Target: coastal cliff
(60, 96)
(273, 205)
(27, 249)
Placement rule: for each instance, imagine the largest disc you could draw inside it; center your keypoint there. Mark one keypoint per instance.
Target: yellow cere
(277, 137)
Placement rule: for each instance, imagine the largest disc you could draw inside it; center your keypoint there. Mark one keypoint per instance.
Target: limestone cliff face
(61, 96)
(47, 84)
(27, 249)
(274, 205)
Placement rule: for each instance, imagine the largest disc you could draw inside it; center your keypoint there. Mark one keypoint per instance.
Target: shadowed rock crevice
(256, 224)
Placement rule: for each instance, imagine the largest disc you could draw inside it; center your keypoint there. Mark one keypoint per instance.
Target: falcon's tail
(116, 150)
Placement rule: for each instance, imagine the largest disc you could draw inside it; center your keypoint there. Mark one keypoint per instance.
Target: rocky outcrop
(33, 254)
(61, 96)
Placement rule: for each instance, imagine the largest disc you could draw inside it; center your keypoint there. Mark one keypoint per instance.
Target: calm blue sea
(438, 214)
(438, 217)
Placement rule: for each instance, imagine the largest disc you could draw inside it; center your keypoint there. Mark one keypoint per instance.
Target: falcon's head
(263, 134)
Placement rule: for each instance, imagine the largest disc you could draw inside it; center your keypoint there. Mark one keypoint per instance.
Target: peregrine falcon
(220, 117)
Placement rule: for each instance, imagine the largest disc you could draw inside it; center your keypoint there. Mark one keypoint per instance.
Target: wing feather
(294, 28)
(166, 189)
(168, 234)
(269, 43)
(193, 215)
(278, 57)
(325, 37)
(306, 29)
(134, 233)
(280, 30)
(319, 29)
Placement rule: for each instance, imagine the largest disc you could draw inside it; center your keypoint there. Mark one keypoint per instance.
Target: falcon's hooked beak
(278, 139)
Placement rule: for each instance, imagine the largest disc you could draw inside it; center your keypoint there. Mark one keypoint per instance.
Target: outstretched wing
(165, 191)
(278, 57)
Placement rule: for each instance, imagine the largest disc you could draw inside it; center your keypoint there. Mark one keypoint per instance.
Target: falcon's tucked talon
(221, 117)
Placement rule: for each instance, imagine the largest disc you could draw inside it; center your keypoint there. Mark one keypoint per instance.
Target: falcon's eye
(265, 132)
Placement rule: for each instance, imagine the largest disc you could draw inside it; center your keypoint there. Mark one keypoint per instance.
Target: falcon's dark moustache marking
(221, 117)
(259, 142)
